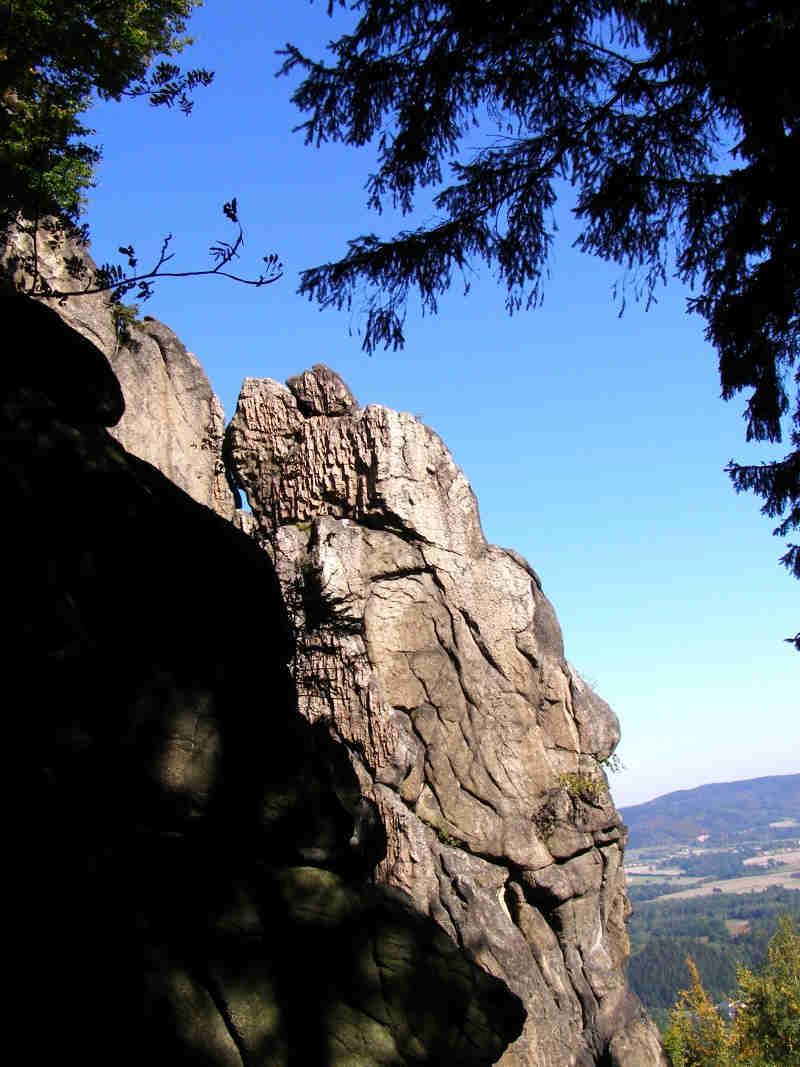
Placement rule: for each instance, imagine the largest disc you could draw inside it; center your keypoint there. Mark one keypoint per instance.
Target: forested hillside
(710, 872)
(726, 811)
(719, 932)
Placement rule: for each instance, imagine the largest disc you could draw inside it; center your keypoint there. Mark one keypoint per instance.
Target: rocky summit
(437, 661)
(316, 778)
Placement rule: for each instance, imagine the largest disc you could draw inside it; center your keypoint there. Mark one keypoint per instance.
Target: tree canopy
(677, 122)
(765, 1029)
(768, 1023)
(53, 56)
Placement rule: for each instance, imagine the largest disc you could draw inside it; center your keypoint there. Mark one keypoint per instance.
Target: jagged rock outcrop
(173, 418)
(465, 769)
(194, 855)
(437, 661)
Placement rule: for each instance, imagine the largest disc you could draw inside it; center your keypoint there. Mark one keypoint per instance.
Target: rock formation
(194, 858)
(198, 801)
(173, 418)
(437, 662)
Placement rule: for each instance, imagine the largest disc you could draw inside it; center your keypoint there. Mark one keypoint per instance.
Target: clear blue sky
(596, 444)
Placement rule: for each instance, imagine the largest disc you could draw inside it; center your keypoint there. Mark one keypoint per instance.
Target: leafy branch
(169, 86)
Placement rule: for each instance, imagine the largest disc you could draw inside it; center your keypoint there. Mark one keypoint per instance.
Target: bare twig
(114, 279)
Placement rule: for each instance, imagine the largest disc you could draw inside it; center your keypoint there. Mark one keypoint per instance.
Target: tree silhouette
(677, 122)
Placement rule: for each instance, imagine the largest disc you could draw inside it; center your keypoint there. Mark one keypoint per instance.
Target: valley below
(760, 871)
(710, 871)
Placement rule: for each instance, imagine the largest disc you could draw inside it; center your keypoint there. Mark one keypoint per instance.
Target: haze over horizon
(722, 782)
(596, 444)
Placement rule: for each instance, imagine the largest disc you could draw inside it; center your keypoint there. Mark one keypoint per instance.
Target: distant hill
(727, 811)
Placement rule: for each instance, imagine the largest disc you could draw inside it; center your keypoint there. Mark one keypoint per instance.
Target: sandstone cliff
(437, 662)
(194, 857)
(442, 746)
(173, 418)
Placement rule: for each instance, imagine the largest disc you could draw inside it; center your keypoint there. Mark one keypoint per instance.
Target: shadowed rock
(467, 754)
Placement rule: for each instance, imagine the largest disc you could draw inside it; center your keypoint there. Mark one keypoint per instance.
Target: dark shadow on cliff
(191, 886)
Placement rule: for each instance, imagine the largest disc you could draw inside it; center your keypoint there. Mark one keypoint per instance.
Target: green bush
(583, 786)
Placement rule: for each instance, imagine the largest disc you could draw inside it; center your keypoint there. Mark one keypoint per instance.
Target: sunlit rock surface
(437, 662)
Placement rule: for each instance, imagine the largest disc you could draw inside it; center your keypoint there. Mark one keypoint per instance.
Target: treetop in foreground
(765, 1028)
(53, 57)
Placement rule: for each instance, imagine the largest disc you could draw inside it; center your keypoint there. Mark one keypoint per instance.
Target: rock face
(437, 662)
(173, 418)
(195, 856)
(423, 866)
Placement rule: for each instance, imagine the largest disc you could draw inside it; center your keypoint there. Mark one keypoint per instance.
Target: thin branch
(257, 282)
(112, 279)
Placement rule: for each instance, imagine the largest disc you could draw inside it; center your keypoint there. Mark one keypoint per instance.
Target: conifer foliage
(697, 1036)
(765, 1029)
(677, 121)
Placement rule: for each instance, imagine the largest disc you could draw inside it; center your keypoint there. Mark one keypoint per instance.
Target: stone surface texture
(445, 749)
(193, 858)
(437, 662)
(173, 418)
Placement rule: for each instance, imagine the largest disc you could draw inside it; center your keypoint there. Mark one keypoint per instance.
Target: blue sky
(596, 444)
